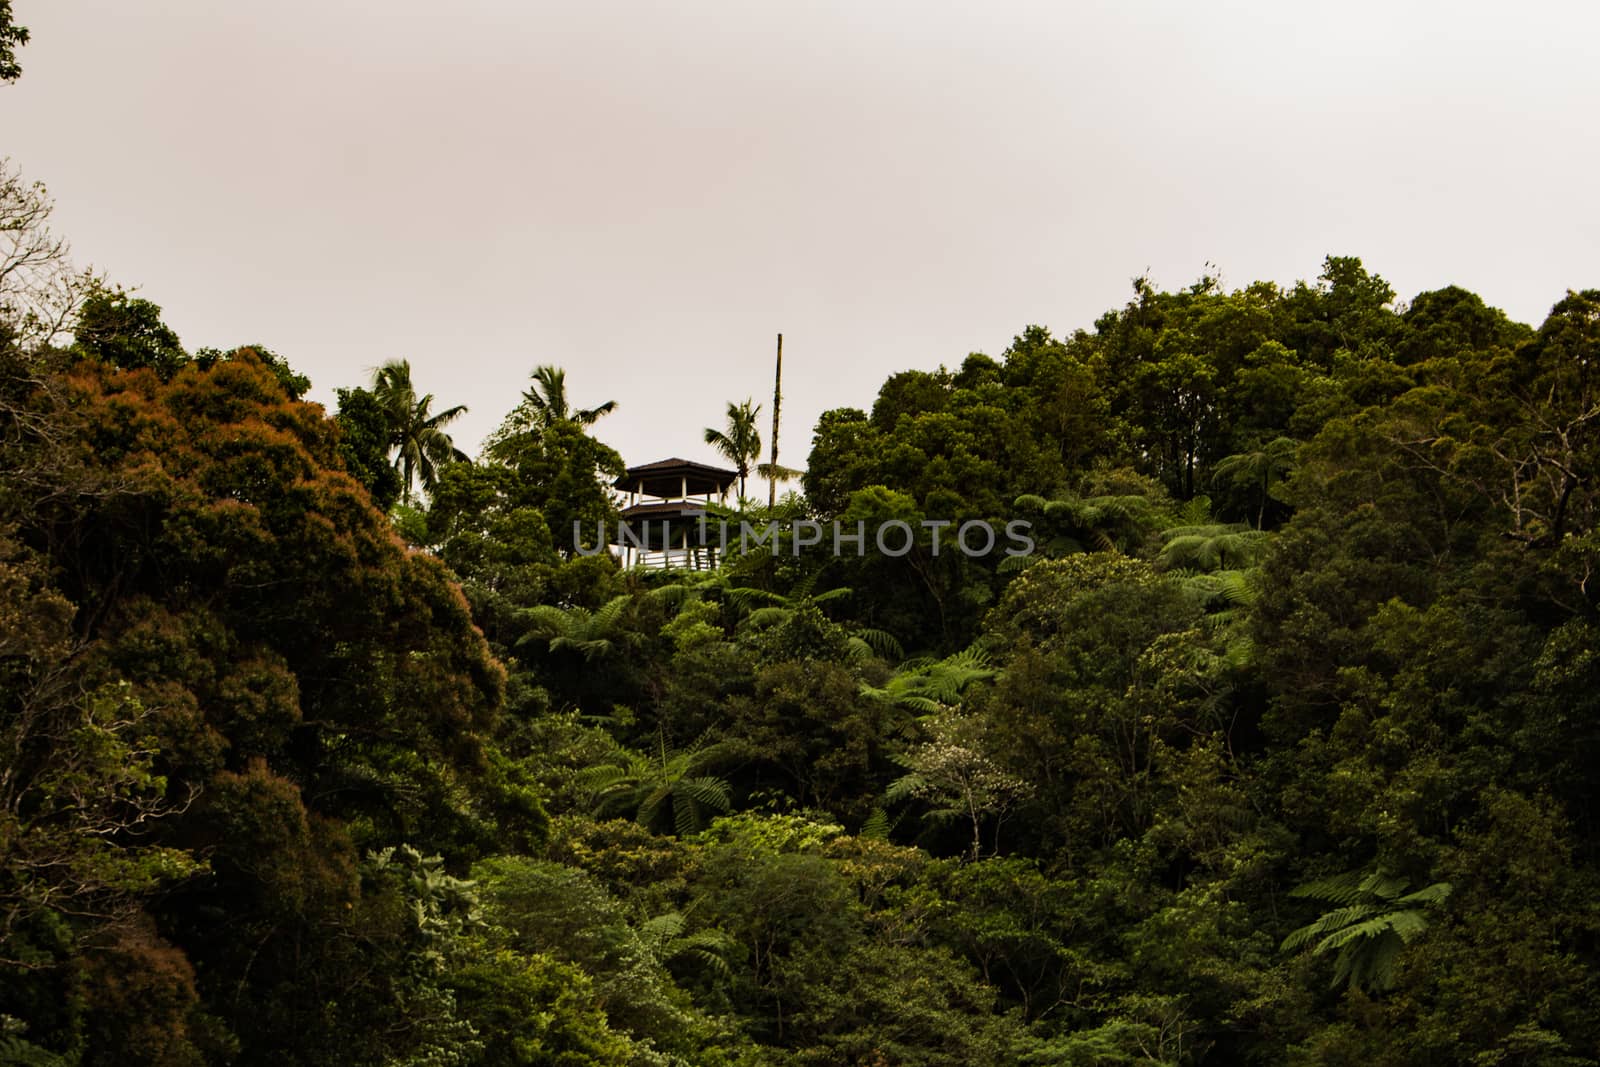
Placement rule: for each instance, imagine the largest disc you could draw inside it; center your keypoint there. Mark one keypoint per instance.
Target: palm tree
(1369, 926)
(740, 443)
(777, 474)
(413, 428)
(544, 403)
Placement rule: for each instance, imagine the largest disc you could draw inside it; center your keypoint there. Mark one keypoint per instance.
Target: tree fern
(1075, 524)
(671, 782)
(594, 635)
(867, 643)
(925, 686)
(1371, 924)
(1212, 547)
(665, 937)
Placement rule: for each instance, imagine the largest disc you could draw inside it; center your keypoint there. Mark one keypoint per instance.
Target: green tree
(740, 442)
(364, 444)
(127, 332)
(547, 461)
(953, 771)
(545, 403)
(319, 690)
(12, 37)
(416, 432)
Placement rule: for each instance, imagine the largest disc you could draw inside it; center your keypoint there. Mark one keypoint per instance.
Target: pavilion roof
(665, 478)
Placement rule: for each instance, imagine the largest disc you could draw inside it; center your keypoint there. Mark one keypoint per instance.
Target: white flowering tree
(952, 771)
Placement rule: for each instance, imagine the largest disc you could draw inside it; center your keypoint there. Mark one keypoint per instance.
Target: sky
(646, 194)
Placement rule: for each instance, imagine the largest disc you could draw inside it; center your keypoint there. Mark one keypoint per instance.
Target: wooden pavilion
(663, 505)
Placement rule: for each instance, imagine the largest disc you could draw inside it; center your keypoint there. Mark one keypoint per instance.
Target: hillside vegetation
(320, 746)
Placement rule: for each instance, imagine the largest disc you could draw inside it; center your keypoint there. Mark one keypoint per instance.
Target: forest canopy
(320, 745)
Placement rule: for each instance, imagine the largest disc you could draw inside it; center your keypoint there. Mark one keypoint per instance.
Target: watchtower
(664, 503)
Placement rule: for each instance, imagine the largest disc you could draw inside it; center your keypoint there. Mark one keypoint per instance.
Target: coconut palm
(545, 401)
(415, 431)
(740, 443)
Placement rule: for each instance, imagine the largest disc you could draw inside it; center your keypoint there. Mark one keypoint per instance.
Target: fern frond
(1367, 966)
(761, 618)
(1382, 884)
(745, 598)
(1238, 588)
(1376, 926)
(610, 612)
(712, 792)
(905, 787)
(882, 642)
(662, 928)
(672, 596)
(876, 827)
(1333, 921)
(1013, 564)
(1336, 889)
(685, 816)
(1436, 893)
(544, 622)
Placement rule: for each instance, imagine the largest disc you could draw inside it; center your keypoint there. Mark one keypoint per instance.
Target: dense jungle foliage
(320, 746)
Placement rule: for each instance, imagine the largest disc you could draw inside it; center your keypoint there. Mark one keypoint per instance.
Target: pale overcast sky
(646, 193)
